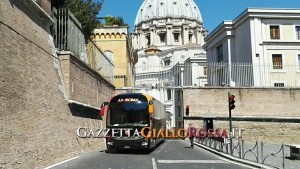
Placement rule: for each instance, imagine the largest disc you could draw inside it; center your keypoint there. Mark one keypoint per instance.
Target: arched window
(190, 37)
(109, 55)
(162, 37)
(148, 39)
(176, 36)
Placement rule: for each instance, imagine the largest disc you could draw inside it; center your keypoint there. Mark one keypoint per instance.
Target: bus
(127, 115)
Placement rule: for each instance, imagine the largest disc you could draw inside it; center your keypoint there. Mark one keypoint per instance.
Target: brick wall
(271, 132)
(271, 102)
(258, 102)
(37, 128)
(82, 83)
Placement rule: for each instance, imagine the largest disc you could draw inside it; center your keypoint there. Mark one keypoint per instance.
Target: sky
(213, 12)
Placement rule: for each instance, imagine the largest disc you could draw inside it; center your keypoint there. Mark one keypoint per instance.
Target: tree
(112, 20)
(86, 12)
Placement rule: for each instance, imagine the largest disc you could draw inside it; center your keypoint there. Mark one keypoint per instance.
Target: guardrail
(252, 152)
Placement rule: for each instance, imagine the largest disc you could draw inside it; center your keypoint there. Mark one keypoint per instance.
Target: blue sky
(213, 11)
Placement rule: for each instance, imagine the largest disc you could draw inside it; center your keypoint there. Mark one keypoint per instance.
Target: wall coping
(40, 11)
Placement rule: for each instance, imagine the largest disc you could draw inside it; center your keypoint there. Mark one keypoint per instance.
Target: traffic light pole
(230, 123)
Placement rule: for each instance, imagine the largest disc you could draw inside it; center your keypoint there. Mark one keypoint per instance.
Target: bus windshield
(128, 114)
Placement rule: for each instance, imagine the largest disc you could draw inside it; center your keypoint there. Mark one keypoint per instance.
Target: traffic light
(231, 102)
(187, 110)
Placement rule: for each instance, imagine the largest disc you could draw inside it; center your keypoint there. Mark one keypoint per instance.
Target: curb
(250, 163)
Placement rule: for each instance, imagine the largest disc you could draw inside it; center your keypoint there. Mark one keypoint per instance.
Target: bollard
(243, 150)
(262, 152)
(240, 149)
(283, 162)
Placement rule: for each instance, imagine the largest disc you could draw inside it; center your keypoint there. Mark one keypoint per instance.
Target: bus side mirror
(103, 108)
(151, 107)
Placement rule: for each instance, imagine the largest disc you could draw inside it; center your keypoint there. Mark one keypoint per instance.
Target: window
(205, 71)
(298, 61)
(176, 37)
(148, 39)
(109, 55)
(278, 84)
(274, 32)
(190, 37)
(162, 37)
(169, 95)
(178, 95)
(298, 32)
(277, 61)
(220, 53)
(167, 62)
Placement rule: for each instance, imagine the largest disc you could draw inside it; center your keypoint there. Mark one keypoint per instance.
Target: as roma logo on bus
(128, 100)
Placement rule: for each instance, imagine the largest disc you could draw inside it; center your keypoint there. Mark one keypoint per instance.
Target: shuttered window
(274, 32)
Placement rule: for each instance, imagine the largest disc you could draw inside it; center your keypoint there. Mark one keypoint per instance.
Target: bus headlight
(144, 143)
(110, 143)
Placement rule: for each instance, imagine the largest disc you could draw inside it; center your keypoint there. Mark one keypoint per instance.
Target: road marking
(154, 163)
(237, 163)
(161, 147)
(61, 163)
(190, 161)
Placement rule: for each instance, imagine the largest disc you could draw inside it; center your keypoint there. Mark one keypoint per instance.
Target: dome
(156, 9)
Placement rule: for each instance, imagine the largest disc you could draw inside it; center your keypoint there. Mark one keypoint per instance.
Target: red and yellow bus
(127, 114)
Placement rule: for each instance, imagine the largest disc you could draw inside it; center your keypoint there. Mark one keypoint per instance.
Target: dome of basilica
(157, 9)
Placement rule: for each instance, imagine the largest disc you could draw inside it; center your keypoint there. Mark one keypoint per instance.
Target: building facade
(115, 43)
(168, 37)
(260, 48)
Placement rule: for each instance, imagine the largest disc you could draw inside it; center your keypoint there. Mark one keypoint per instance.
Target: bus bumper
(139, 143)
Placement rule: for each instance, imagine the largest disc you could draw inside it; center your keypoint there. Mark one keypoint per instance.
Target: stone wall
(269, 102)
(267, 132)
(262, 103)
(82, 83)
(37, 127)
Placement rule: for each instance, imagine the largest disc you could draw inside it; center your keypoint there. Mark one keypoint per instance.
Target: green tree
(112, 20)
(86, 12)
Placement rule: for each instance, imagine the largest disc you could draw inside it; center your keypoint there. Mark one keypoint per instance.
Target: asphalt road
(173, 154)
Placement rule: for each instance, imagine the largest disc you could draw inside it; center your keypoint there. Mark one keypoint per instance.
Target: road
(173, 154)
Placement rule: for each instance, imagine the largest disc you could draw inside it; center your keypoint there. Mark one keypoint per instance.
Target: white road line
(233, 162)
(154, 163)
(61, 162)
(190, 161)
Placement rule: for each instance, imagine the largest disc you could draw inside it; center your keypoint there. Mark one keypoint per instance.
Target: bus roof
(148, 97)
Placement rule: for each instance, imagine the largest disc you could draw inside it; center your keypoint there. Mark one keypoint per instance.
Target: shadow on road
(129, 151)
(188, 147)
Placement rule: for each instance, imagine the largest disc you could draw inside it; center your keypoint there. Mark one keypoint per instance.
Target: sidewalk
(272, 155)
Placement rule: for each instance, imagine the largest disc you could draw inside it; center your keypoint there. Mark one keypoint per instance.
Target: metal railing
(253, 75)
(221, 74)
(99, 62)
(69, 35)
(252, 152)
